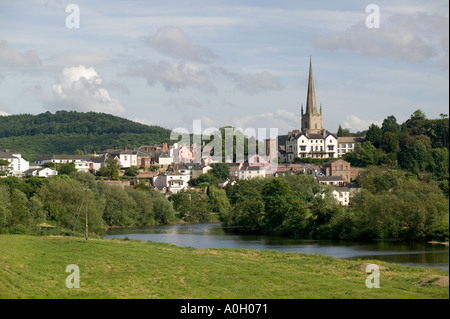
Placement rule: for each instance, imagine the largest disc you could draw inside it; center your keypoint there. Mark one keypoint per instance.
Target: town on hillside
(170, 168)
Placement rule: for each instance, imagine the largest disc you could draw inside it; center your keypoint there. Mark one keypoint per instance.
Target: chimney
(165, 148)
(125, 148)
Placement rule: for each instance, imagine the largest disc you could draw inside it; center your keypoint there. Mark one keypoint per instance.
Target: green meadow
(35, 267)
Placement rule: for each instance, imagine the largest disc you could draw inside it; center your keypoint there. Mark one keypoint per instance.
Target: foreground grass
(34, 267)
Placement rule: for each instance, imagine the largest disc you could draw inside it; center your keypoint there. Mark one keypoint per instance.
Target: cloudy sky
(240, 63)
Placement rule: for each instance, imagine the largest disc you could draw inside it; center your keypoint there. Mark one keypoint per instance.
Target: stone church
(312, 140)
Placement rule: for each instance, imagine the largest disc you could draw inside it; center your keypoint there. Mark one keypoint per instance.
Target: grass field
(35, 267)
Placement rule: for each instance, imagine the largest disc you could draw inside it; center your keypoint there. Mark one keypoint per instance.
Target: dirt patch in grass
(436, 280)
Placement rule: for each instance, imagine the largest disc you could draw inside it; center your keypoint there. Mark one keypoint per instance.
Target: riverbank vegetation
(35, 267)
(391, 205)
(60, 203)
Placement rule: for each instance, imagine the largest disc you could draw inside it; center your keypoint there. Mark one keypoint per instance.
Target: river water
(211, 235)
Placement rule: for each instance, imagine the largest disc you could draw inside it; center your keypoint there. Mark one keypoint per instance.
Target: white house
(248, 172)
(125, 158)
(173, 182)
(330, 180)
(341, 194)
(82, 162)
(303, 144)
(347, 144)
(41, 172)
(17, 165)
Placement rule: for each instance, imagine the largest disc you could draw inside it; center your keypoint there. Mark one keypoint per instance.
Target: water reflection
(212, 235)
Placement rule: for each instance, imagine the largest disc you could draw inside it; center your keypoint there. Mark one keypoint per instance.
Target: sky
(239, 63)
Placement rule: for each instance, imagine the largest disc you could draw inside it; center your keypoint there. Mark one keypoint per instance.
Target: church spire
(311, 107)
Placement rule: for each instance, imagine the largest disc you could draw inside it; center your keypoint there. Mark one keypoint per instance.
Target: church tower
(311, 119)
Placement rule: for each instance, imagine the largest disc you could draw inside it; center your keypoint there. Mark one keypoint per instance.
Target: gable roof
(350, 139)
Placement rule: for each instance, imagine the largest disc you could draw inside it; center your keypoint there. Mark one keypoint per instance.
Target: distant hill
(68, 131)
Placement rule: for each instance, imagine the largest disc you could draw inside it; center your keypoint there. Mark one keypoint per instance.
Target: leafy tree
(63, 200)
(343, 132)
(390, 125)
(191, 206)
(285, 212)
(164, 211)
(389, 142)
(364, 154)
(416, 123)
(221, 171)
(131, 171)
(67, 169)
(374, 135)
(5, 209)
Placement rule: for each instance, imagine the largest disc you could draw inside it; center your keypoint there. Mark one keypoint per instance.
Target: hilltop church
(313, 140)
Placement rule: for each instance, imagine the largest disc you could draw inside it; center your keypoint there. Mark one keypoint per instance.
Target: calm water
(211, 235)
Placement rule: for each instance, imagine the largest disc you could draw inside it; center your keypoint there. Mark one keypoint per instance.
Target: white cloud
(173, 76)
(414, 38)
(173, 42)
(251, 83)
(80, 88)
(355, 124)
(13, 60)
(281, 119)
(3, 113)
(184, 101)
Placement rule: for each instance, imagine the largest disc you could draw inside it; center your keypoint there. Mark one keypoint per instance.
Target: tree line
(60, 202)
(391, 205)
(65, 132)
(419, 145)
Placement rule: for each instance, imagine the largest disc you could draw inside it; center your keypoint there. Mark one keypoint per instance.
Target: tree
(111, 169)
(343, 132)
(416, 123)
(364, 154)
(285, 212)
(5, 210)
(4, 164)
(131, 171)
(221, 171)
(390, 125)
(374, 135)
(389, 142)
(164, 212)
(67, 169)
(191, 206)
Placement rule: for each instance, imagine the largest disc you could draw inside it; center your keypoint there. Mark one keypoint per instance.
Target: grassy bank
(34, 267)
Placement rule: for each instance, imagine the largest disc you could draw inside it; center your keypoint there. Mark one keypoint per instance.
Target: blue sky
(240, 63)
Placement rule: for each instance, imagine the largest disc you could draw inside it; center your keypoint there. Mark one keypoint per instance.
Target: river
(211, 235)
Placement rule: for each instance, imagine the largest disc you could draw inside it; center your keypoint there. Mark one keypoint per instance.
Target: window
(341, 167)
(330, 147)
(125, 158)
(303, 148)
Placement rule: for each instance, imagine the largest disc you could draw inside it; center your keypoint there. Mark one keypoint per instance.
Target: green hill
(68, 131)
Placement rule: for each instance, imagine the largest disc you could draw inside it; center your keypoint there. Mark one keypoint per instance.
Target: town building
(41, 172)
(17, 165)
(347, 144)
(172, 182)
(247, 172)
(82, 162)
(312, 140)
